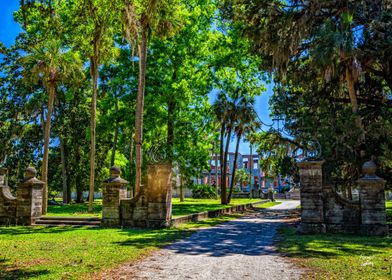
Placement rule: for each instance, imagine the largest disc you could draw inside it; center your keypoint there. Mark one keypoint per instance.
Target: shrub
(203, 191)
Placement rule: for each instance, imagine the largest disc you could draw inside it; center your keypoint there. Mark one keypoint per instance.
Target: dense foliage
(91, 84)
(332, 71)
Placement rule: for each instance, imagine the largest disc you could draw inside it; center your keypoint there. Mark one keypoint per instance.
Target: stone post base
(309, 228)
(151, 208)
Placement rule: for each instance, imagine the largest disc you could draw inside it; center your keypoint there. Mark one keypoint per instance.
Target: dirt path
(239, 249)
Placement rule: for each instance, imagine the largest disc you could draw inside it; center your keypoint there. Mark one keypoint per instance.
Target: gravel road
(239, 249)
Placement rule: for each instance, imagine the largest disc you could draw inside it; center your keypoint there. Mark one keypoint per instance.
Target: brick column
(372, 201)
(159, 195)
(29, 198)
(312, 205)
(114, 189)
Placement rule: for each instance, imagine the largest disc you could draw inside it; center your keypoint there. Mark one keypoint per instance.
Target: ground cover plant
(338, 256)
(189, 206)
(75, 253)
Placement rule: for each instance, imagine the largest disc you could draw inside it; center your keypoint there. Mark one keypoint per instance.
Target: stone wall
(26, 207)
(151, 208)
(113, 191)
(7, 202)
(323, 210)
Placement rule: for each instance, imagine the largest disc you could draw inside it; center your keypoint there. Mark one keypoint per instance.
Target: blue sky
(10, 29)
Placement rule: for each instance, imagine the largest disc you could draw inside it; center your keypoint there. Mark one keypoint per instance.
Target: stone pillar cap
(115, 172)
(369, 169)
(30, 174)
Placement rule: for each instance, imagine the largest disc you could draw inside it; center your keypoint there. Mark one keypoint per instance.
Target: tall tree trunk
(171, 107)
(140, 109)
(216, 172)
(234, 167)
(182, 196)
(79, 184)
(94, 74)
(250, 169)
(354, 102)
(66, 189)
(224, 189)
(221, 153)
(358, 120)
(45, 159)
(131, 163)
(115, 136)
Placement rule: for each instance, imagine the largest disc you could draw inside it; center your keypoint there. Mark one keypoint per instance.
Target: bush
(203, 191)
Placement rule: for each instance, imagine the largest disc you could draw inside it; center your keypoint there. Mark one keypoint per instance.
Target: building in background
(251, 165)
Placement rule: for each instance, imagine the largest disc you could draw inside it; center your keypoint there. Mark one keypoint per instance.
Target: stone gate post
(372, 201)
(312, 205)
(29, 198)
(7, 201)
(159, 194)
(113, 190)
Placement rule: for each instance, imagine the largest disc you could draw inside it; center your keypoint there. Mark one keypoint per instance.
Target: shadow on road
(252, 235)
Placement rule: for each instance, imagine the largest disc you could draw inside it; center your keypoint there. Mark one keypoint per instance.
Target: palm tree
(220, 109)
(245, 122)
(241, 176)
(142, 19)
(50, 64)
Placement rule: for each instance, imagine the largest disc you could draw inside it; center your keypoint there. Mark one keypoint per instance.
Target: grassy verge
(75, 253)
(339, 256)
(189, 206)
(268, 204)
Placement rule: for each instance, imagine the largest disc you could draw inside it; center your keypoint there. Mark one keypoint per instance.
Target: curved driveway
(239, 249)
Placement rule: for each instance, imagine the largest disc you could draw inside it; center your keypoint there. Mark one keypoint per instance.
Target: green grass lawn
(268, 204)
(75, 253)
(339, 256)
(189, 206)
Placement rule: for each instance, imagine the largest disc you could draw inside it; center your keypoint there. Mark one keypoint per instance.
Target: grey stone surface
(26, 207)
(239, 249)
(323, 210)
(150, 208)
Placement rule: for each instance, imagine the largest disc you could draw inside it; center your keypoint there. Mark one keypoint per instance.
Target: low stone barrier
(213, 213)
(26, 207)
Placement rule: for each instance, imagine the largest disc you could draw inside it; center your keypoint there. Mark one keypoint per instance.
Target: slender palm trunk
(216, 173)
(171, 107)
(234, 167)
(140, 109)
(250, 170)
(354, 103)
(45, 159)
(66, 190)
(224, 189)
(94, 75)
(221, 153)
(182, 196)
(114, 148)
(131, 163)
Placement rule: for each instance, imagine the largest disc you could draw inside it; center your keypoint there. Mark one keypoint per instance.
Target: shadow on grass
(7, 272)
(19, 230)
(74, 209)
(187, 209)
(330, 245)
